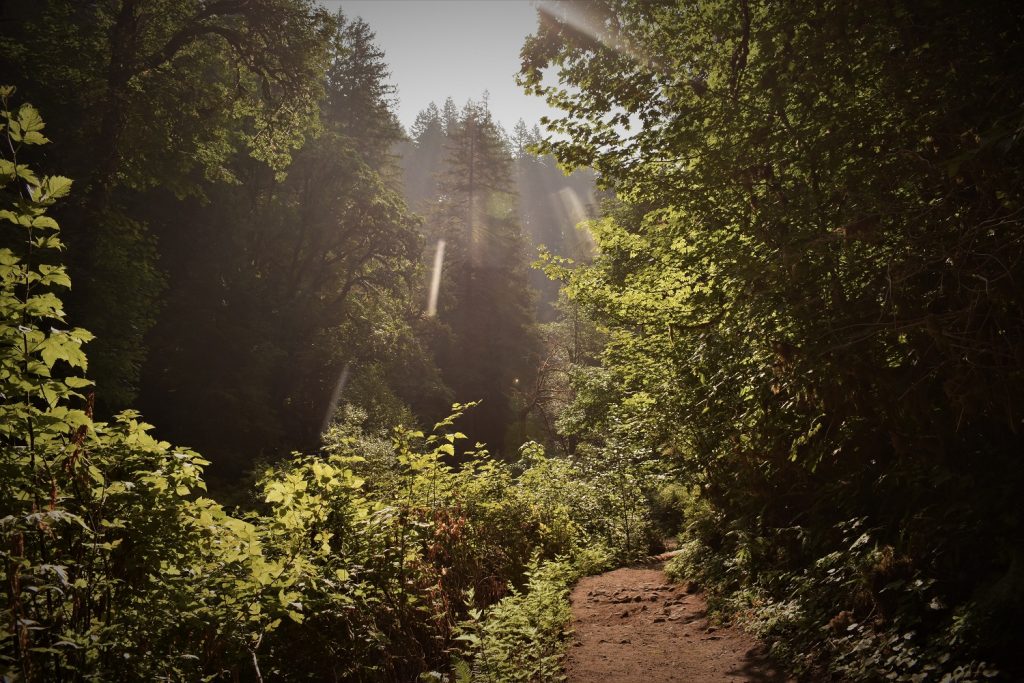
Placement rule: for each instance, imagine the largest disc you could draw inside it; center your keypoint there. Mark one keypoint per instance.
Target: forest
(752, 289)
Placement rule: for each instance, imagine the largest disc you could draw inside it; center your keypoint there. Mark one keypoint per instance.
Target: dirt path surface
(633, 626)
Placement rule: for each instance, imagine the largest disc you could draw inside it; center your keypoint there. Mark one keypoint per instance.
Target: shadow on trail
(758, 668)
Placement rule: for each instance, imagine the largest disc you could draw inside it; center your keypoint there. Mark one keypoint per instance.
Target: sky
(453, 48)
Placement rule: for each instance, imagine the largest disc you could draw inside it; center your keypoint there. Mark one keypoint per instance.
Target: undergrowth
(861, 612)
(522, 638)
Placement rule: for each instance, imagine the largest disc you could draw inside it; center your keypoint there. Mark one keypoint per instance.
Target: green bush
(523, 637)
(861, 613)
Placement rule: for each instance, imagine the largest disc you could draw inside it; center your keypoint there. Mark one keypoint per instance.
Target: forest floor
(633, 625)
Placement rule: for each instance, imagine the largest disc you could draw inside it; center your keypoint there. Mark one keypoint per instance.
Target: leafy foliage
(238, 236)
(523, 637)
(354, 566)
(809, 276)
(278, 285)
(152, 97)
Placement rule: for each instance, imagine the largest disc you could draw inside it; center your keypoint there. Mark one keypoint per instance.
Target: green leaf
(56, 186)
(29, 120)
(54, 275)
(58, 346)
(34, 138)
(27, 174)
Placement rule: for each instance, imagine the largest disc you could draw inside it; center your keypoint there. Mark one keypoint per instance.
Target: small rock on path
(633, 626)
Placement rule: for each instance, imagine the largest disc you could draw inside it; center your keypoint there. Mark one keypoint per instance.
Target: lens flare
(574, 216)
(435, 279)
(336, 396)
(574, 210)
(582, 17)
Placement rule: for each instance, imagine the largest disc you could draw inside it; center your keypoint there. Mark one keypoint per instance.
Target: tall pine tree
(486, 303)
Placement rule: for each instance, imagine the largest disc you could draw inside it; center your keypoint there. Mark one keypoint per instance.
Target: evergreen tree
(360, 100)
(521, 139)
(450, 117)
(422, 156)
(485, 302)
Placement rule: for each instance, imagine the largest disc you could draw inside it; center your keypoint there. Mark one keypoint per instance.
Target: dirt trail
(633, 626)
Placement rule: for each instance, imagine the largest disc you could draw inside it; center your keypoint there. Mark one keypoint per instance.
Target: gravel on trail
(633, 626)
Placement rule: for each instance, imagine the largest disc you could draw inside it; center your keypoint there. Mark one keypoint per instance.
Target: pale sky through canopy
(457, 48)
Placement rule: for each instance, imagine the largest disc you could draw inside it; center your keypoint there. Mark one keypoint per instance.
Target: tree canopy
(811, 274)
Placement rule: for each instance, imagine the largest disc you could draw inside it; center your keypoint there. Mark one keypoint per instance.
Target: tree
(84, 567)
(485, 299)
(422, 156)
(811, 280)
(150, 94)
(280, 284)
(450, 116)
(359, 102)
(549, 204)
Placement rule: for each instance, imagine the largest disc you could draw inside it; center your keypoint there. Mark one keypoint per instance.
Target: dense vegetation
(240, 233)
(793, 335)
(812, 279)
(369, 561)
(247, 293)
(236, 221)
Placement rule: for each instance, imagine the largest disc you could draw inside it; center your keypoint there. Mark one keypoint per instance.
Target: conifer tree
(450, 117)
(422, 156)
(486, 301)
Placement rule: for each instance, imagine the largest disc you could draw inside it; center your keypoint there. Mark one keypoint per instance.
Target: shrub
(523, 637)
